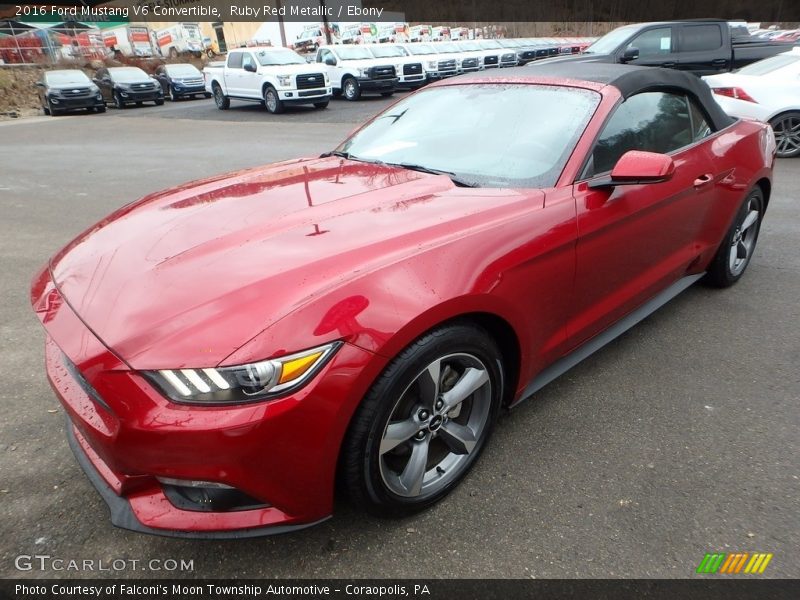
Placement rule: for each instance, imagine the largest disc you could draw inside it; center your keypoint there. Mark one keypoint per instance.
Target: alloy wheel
(435, 426)
(787, 134)
(271, 101)
(744, 238)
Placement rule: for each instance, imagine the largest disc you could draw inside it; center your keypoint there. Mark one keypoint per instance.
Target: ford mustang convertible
(231, 351)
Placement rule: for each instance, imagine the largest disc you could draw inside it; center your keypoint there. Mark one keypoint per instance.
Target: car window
(701, 38)
(247, 59)
(650, 121)
(700, 127)
(653, 42)
(235, 60)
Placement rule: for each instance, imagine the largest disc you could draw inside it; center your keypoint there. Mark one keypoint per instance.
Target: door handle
(703, 180)
(719, 61)
(668, 65)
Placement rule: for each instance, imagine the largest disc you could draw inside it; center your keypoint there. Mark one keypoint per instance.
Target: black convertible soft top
(628, 79)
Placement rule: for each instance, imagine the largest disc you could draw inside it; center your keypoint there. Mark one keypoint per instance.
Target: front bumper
(146, 96)
(295, 96)
(377, 85)
(125, 434)
(189, 91)
(74, 103)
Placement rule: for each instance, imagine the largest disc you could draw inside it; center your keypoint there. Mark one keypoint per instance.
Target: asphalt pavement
(679, 438)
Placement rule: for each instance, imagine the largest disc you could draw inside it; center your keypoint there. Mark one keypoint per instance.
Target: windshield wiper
(423, 169)
(335, 153)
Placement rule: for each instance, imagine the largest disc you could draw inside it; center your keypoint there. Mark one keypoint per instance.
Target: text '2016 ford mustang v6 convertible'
(227, 350)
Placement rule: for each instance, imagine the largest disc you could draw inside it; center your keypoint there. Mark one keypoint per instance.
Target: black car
(181, 81)
(128, 85)
(68, 89)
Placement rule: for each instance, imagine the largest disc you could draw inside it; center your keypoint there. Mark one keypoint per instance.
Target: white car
(275, 76)
(767, 90)
(353, 69)
(410, 72)
(437, 65)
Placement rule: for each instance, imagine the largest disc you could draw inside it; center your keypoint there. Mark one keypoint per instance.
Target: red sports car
(229, 349)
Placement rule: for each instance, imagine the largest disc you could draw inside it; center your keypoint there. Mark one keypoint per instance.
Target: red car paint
(272, 260)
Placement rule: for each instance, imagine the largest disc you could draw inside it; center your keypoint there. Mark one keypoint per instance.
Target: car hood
(291, 69)
(370, 62)
(197, 271)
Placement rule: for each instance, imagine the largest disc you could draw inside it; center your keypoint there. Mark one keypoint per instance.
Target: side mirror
(250, 68)
(39, 84)
(635, 168)
(330, 61)
(95, 80)
(631, 53)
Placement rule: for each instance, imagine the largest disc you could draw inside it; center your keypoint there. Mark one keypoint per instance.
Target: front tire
(737, 247)
(159, 102)
(272, 101)
(787, 134)
(350, 89)
(118, 103)
(424, 422)
(220, 99)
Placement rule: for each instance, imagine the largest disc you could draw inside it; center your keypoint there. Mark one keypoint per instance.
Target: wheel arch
(766, 188)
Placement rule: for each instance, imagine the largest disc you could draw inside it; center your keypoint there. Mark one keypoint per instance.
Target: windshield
(127, 74)
(612, 40)
(387, 51)
(279, 57)
(470, 45)
(447, 47)
(490, 44)
(431, 128)
(510, 43)
(770, 65)
(182, 71)
(353, 53)
(66, 77)
(420, 49)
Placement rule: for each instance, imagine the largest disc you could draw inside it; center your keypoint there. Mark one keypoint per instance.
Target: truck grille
(490, 61)
(447, 65)
(310, 80)
(469, 63)
(76, 92)
(509, 57)
(412, 69)
(384, 72)
(141, 87)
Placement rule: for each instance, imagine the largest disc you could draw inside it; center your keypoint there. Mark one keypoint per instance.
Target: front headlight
(431, 64)
(284, 80)
(327, 80)
(361, 72)
(245, 383)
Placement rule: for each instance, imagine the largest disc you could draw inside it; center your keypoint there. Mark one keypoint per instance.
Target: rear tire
(737, 247)
(272, 101)
(424, 422)
(350, 89)
(220, 99)
(787, 134)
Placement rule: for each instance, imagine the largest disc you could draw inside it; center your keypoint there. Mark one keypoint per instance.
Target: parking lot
(680, 438)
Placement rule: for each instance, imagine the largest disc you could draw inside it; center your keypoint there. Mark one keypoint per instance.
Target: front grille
(489, 61)
(141, 87)
(447, 65)
(528, 55)
(76, 92)
(192, 82)
(412, 69)
(310, 80)
(311, 93)
(509, 57)
(383, 72)
(469, 63)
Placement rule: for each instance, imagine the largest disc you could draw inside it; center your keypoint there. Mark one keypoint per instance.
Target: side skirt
(591, 346)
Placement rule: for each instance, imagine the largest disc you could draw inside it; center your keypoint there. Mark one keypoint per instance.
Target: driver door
(656, 48)
(636, 240)
(250, 79)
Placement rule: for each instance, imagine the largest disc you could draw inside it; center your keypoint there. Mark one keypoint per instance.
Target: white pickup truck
(354, 69)
(275, 76)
